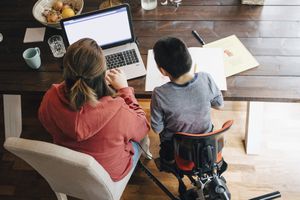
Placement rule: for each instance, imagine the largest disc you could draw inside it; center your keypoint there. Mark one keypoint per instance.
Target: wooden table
(270, 32)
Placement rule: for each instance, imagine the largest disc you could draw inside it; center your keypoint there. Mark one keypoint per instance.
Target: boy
(184, 103)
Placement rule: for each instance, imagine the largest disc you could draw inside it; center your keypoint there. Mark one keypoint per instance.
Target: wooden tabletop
(270, 32)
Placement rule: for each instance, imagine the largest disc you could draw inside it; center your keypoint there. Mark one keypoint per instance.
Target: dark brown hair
(172, 55)
(84, 73)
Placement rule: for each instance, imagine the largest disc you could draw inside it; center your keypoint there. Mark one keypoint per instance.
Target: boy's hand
(117, 78)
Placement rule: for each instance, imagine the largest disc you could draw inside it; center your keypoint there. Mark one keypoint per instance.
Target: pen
(197, 36)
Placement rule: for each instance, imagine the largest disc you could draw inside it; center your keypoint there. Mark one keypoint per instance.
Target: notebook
(236, 57)
(112, 29)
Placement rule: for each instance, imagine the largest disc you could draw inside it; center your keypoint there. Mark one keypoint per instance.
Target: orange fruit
(52, 17)
(58, 5)
(67, 12)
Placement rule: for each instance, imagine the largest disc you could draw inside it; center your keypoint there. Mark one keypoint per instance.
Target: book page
(236, 57)
(153, 76)
(211, 61)
(208, 60)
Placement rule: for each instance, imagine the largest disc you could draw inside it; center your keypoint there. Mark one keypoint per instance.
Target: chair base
(193, 193)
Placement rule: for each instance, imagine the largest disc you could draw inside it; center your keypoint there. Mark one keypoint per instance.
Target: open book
(236, 57)
(208, 60)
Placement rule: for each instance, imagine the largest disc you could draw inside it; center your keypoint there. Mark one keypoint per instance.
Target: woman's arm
(137, 124)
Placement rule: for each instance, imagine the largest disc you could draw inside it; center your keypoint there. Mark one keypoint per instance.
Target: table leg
(254, 127)
(12, 115)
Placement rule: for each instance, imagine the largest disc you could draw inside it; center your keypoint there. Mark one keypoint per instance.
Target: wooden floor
(277, 168)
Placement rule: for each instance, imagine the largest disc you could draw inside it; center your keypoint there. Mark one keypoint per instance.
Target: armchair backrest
(199, 151)
(68, 171)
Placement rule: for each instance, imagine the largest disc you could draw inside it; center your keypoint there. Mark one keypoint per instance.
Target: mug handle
(38, 50)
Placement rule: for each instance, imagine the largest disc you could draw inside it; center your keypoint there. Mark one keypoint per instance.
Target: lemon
(67, 12)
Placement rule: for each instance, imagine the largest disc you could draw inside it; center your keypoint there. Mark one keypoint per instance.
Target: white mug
(32, 57)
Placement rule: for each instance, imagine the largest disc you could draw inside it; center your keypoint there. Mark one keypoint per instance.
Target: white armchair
(69, 172)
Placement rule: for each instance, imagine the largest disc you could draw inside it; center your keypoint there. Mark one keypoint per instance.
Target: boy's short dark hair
(172, 55)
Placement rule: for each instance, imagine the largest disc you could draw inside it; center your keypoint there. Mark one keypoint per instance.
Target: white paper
(34, 35)
(208, 60)
(153, 77)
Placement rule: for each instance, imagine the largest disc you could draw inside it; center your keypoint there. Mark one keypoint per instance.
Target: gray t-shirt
(184, 108)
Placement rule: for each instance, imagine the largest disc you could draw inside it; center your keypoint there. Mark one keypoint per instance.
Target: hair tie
(79, 77)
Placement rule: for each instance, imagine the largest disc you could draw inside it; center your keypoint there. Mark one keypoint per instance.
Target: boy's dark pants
(166, 151)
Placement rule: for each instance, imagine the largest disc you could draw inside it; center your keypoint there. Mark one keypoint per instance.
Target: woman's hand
(116, 78)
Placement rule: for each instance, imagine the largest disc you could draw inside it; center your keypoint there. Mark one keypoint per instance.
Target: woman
(84, 114)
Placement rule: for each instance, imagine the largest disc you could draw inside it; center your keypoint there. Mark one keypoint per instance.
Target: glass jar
(149, 4)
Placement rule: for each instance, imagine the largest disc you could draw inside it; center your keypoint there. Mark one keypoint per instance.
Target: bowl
(41, 5)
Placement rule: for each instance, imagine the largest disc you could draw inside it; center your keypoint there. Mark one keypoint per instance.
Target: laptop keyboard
(121, 59)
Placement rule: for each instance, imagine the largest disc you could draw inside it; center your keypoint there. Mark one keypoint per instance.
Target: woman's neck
(183, 78)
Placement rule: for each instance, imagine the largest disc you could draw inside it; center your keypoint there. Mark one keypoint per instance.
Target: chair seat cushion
(185, 165)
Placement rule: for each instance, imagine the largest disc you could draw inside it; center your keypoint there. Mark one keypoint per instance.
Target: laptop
(112, 29)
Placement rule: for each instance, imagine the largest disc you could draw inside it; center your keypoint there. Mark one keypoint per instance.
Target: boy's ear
(163, 72)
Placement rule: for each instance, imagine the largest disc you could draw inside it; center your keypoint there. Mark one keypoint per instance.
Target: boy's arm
(218, 107)
(217, 101)
(157, 123)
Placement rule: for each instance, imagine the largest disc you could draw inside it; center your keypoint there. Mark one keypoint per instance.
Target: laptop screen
(110, 27)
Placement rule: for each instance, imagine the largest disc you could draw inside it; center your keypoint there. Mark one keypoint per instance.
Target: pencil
(196, 68)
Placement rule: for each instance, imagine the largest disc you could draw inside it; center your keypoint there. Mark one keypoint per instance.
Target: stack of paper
(208, 60)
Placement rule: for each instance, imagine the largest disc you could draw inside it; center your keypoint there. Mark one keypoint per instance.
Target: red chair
(199, 157)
